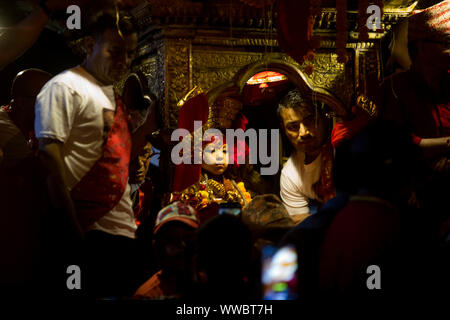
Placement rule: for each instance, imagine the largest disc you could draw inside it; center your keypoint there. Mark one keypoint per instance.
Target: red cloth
(442, 118)
(361, 232)
(347, 129)
(294, 28)
(416, 139)
(324, 188)
(241, 148)
(139, 206)
(407, 101)
(103, 186)
(195, 109)
(253, 94)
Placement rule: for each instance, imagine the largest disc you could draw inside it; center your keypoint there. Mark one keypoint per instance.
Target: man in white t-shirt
(305, 129)
(84, 133)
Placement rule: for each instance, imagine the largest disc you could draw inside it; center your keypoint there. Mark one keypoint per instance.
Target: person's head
(224, 248)
(304, 126)
(110, 46)
(174, 232)
(26, 86)
(381, 159)
(215, 155)
(139, 166)
(429, 45)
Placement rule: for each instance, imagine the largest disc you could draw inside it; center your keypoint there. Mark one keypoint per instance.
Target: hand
(298, 218)
(442, 166)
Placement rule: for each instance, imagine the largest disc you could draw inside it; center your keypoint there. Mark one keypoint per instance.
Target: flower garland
(342, 35)
(313, 41)
(295, 24)
(206, 191)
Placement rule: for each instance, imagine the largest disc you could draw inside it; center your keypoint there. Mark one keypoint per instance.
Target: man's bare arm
(435, 146)
(50, 155)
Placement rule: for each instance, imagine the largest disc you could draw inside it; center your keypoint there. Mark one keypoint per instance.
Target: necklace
(207, 191)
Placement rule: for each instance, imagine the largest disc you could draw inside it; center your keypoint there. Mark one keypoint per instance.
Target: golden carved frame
(292, 72)
(192, 45)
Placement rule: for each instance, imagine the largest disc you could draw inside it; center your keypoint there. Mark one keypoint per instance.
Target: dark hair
(295, 100)
(381, 158)
(224, 245)
(107, 20)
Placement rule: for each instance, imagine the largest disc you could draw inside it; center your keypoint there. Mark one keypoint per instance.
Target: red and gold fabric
(324, 188)
(101, 189)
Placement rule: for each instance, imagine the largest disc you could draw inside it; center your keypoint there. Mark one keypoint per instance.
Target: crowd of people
(368, 192)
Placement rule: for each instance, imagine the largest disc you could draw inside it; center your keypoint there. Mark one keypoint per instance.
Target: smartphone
(233, 208)
(279, 273)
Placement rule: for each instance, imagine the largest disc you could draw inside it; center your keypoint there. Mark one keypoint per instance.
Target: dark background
(50, 52)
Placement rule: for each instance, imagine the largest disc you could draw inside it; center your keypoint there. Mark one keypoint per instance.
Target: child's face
(215, 158)
(175, 244)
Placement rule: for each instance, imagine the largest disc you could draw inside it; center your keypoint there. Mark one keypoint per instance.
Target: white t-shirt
(69, 108)
(296, 183)
(12, 141)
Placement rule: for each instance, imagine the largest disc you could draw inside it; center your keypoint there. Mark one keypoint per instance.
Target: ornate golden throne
(218, 45)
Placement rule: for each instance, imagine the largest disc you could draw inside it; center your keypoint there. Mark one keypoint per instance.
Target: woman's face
(215, 158)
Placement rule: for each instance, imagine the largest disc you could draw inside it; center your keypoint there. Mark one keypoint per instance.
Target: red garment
(416, 139)
(138, 207)
(241, 148)
(253, 94)
(361, 233)
(441, 116)
(99, 191)
(407, 100)
(324, 188)
(345, 130)
(195, 109)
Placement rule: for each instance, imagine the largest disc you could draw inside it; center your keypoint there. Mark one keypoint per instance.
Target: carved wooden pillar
(178, 76)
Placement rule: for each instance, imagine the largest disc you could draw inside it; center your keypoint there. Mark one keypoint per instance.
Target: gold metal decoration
(207, 191)
(192, 93)
(209, 44)
(367, 105)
